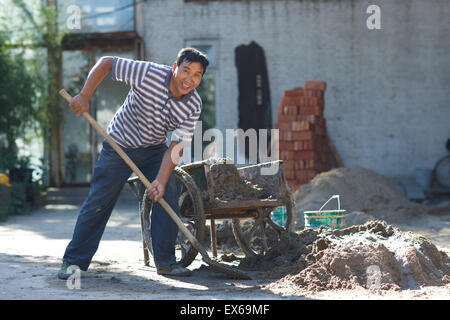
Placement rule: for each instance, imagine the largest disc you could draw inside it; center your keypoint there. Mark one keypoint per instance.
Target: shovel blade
(228, 270)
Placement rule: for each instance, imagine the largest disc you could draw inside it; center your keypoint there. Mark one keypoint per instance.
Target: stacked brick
(303, 141)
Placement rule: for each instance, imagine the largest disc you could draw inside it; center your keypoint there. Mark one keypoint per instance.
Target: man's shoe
(63, 274)
(174, 270)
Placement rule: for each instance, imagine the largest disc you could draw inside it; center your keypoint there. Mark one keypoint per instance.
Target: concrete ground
(31, 247)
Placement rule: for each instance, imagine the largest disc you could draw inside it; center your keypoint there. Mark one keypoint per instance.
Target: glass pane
(109, 96)
(207, 91)
(77, 151)
(86, 16)
(208, 50)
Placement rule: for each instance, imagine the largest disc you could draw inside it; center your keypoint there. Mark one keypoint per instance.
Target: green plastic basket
(334, 219)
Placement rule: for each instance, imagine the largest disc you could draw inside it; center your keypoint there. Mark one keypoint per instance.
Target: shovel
(233, 272)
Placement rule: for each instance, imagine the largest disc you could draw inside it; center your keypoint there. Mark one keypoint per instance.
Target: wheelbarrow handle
(138, 172)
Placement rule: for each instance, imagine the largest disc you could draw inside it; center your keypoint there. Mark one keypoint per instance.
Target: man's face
(186, 77)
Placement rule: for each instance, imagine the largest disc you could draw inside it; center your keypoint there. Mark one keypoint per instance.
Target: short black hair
(192, 55)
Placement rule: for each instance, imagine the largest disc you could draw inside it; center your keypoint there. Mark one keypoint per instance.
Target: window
(81, 142)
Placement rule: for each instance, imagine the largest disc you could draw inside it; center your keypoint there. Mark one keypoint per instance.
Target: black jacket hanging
(254, 92)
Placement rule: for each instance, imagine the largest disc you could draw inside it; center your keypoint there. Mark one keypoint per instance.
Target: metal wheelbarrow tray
(215, 189)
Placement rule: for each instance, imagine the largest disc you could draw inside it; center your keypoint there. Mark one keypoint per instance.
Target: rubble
(324, 259)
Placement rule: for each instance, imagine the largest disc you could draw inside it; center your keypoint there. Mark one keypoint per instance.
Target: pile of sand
(365, 194)
(369, 253)
(373, 256)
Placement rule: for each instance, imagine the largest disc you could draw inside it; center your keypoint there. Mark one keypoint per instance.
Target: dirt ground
(32, 246)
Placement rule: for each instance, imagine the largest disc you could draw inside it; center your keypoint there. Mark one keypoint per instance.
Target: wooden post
(213, 238)
(55, 114)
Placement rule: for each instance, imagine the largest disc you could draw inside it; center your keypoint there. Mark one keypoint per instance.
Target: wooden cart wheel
(191, 212)
(256, 236)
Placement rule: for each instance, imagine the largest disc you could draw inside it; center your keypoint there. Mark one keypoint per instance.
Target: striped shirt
(150, 111)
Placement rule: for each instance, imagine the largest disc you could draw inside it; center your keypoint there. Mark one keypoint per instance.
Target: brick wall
(303, 133)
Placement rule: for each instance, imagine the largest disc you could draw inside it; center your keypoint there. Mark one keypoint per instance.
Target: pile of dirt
(365, 194)
(288, 256)
(374, 256)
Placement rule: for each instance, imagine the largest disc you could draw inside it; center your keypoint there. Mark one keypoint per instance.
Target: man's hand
(80, 104)
(157, 191)
(158, 186)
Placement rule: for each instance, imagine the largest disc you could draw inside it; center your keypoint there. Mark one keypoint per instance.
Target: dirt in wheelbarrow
(229, 185)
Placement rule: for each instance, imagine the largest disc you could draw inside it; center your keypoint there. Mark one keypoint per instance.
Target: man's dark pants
(110, 175)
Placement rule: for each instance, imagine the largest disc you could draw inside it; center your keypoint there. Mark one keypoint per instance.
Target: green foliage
(19, 201)
(17, 96)
(30, 52)
(8, 158)
(5, 198)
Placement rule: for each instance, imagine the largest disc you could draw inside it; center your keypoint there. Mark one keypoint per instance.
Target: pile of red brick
(303, 134)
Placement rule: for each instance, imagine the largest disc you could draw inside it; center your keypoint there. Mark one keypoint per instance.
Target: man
(161, 99)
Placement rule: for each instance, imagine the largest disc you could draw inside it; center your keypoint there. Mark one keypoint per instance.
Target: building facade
(387, 68)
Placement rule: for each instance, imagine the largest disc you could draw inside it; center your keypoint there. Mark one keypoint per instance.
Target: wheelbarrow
(216, 189)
